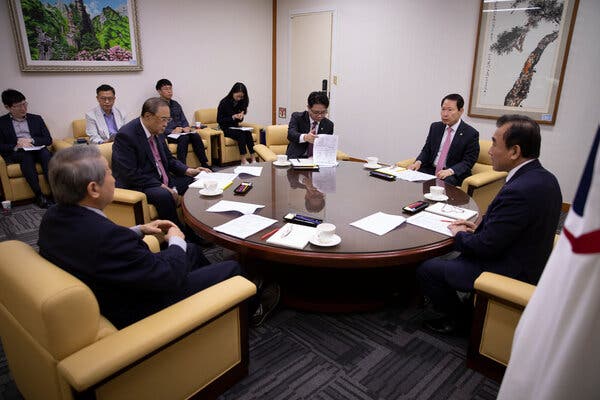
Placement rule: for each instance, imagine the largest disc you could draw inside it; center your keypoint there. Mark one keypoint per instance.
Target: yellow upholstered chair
(14, 185)
(484, 183)
(59, 346)
(226, 149)
(276, 143)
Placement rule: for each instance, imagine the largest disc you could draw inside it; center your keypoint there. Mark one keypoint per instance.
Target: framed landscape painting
(520, 57)
(76, 35)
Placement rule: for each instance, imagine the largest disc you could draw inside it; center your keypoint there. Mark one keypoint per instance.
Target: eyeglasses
(164, 119)
(19, 105)
(319, 112)
(106, 99)
(452, 209)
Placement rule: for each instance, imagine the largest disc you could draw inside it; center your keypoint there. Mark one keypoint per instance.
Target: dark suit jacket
(8, 138)
(129, 281)
(463, 152)
(300, 124)
(133, 163)
(226, 110)
(516, 235)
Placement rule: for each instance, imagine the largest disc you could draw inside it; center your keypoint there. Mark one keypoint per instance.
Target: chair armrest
(341, 155)
(405, 163)
(481, 179)
(265, 153)
(124, 348)
(505, 288)
(60, 144)
(152, 242)
(128, 208)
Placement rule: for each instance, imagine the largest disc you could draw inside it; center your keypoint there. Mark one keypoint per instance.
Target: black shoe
(269, 299)
(443, 325)
(42, 201)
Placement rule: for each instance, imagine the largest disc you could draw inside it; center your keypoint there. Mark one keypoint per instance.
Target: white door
(311, 35)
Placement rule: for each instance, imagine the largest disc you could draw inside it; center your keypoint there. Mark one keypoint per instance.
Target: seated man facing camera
(305, 126)
(514, 238)
(129, 281)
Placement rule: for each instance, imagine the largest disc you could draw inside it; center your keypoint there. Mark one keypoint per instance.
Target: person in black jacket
(230, 113)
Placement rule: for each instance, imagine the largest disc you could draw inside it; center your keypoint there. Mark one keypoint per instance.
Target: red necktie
(442, 160)
(157, 159)
(313, 126)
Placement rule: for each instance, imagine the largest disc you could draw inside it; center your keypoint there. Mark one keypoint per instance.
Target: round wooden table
(339, 195)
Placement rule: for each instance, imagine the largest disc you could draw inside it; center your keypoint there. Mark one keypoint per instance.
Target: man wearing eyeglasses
(23, 140)
(141, 160)
(306, 126)
(103, 122)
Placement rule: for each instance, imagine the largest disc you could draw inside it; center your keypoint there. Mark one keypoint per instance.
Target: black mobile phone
(415, 207)
(243, 188)
(302, 219)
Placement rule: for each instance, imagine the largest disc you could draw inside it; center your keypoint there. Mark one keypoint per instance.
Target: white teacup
(6, 206)
(325, 232)
(198, 124)
(281, 158)
(211, 186)
(372, 160)
(437, 191)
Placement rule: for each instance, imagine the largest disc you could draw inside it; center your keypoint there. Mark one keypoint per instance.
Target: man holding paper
(306, 126)
(514, 238)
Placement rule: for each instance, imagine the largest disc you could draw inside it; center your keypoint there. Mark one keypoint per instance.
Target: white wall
(202, 46)
(396, 59)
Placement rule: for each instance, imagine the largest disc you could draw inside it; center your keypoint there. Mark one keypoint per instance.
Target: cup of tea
(281, 158)
(325, 232)
(211, 186)
(372, 160)
(6, 206)
(198, 124)
(437, 191)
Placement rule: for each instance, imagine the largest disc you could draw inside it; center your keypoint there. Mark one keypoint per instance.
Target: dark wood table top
(338, 195)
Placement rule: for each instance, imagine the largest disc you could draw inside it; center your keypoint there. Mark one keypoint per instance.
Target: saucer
(334, 242)
(206, 192)
(371, 166)
(282, 163)
(430, 196)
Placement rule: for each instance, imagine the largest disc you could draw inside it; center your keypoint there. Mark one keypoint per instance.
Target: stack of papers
(379, 223)
(413, 176)
(244, 226)
(392, 170)
(254, 171)
(243, 128)
(226, 205)
(325, 150)
(176, 135)
(433, 222)
(223, 179)
(302, 162)
(33, 148)
(293, 235)
(451, 211)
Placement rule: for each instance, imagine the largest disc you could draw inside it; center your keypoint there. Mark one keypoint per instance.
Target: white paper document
(223, 179)
(176, 135)
(392, 170)
(244, 226)
(451, 211)
(243, 128)
(227, 205)
(33, 148)
(433, 222)
(255, 171)
(325, 150)
(293, 235)
(379, 223)
(413, 176)
(299, 162)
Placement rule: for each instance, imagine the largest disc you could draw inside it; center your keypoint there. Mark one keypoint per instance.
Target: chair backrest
(484, 161)
(46, 314)
(276, 138)
(207, 116)
(78, 126)
(106, 150)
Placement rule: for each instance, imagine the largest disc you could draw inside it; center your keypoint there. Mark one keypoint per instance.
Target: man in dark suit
(20, 130)
(516, 235)
(129, 281)
(305, 126)
(452, 146)
(141, 160)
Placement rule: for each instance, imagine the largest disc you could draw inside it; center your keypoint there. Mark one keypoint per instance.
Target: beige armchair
(59, 346)
(226, 149)
(276, 143)
(484, 183)
(15, 186)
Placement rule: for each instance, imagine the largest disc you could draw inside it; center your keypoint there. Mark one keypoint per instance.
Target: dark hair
(163, 82)
(12, 96)
(460, 102)
(522, 131)
(236, 88)
(152, 104)
(318, 98)
(72, 169)
(105, 88)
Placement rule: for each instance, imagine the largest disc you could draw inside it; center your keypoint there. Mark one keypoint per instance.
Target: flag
(556, 348)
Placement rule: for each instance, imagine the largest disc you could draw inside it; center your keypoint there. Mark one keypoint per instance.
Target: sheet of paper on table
(227, 205)
(413, 176)
(244, 226)
(223, 179)
(33, 148)
(433, 222)
(298, 162)
(293, 235)
(325, 150)
(451, 211)
(393, 170)
(254, 171)
(379, 223)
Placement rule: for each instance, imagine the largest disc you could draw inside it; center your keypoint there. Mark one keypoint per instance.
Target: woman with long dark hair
(230, 113)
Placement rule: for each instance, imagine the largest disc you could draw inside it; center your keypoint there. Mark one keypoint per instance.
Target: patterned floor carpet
(298, 355)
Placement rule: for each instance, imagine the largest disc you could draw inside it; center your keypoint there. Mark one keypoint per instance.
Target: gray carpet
(298, 355)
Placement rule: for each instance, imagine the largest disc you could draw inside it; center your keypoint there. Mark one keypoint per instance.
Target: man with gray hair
(129, 281)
